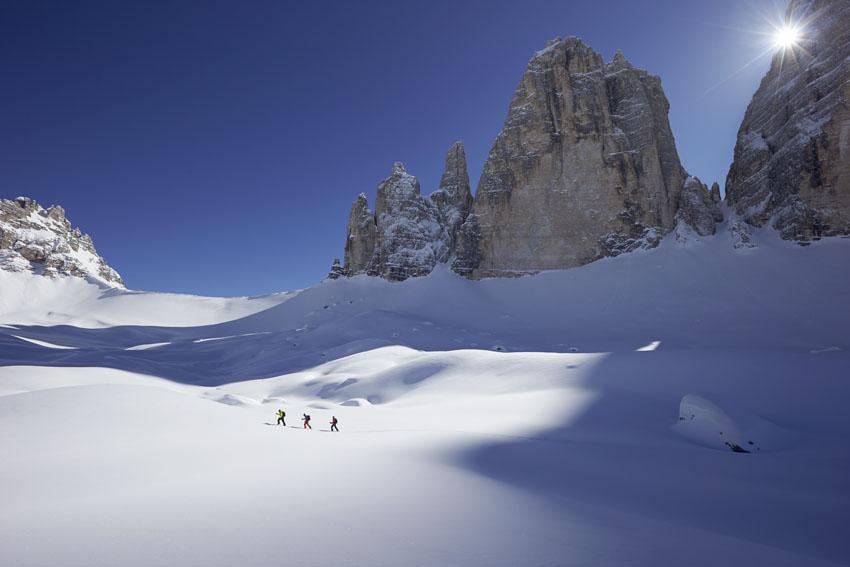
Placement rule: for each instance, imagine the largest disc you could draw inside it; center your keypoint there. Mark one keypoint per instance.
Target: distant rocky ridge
(42, 241)
(585, 167)
(408, 234)
(791, 168)
(698, 207)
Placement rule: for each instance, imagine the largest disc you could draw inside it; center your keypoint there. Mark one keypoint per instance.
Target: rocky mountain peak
(43, 241)
(455, 179)
(715, 192)
(585, 167)
(619, 61)
(572, 52)
(454, 197)
(790, 169)
(57, 213)
(697, 209)
(361, 237)
(396, 189)
(408, 234)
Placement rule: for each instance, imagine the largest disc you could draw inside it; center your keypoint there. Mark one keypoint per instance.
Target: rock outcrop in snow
(585, 167)
(715, 192)
(792, 158)
(42, 241)
(408, 234)
(697, 207)
(411, 239)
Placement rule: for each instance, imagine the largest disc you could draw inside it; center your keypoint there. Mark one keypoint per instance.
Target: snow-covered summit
(43, 242)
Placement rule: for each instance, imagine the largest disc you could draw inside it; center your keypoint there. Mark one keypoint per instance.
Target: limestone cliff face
(43, 242)
(468, 250)
(585, 166)
(792, 158)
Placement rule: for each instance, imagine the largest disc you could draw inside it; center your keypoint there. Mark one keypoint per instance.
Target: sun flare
(786, 37)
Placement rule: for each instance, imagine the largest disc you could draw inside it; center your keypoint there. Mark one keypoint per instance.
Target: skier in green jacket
(281, 415)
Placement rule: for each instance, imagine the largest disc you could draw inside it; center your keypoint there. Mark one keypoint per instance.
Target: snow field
(485, 459)
(133, 426)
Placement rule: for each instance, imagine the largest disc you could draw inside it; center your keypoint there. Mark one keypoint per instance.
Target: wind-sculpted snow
(703, 294)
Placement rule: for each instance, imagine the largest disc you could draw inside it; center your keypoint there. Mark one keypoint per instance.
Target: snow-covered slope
(601, 438)
(469, 458)
(28, 300)
(703, 294)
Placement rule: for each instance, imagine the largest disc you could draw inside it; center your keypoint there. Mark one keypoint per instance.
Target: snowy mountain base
(570, 418)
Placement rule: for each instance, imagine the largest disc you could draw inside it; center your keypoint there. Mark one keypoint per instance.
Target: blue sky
(215, 147)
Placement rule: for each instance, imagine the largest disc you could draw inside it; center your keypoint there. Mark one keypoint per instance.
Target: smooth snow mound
(705, 423)
(26, 299)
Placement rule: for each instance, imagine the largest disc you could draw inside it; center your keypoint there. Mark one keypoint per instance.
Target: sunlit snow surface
(502, 422)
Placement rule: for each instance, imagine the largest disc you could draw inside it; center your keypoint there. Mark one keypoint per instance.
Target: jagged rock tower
(408, 234)
(454, 197)
(792, 158)
(585, 167)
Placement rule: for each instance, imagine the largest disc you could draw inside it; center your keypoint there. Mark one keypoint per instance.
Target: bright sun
(786, 37)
